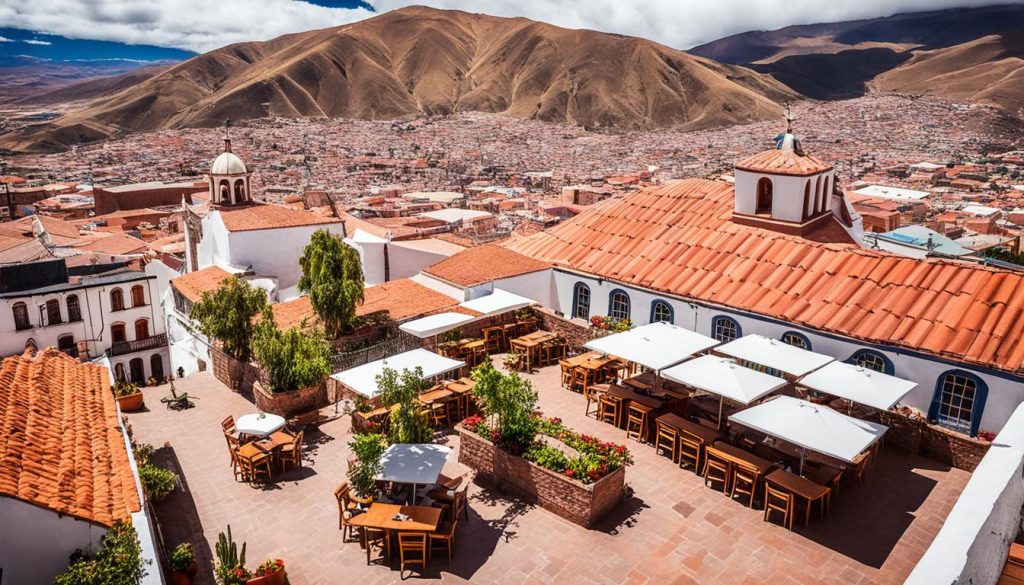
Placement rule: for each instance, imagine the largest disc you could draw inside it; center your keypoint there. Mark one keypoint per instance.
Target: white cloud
(37, 42)
(202, 25)
(6, 40)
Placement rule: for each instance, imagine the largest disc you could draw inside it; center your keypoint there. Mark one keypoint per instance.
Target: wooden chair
(776, 500)
(667, 438)
(744, 483)
(461, 505)
(412, 550)
(445, 534)
(608, 409)
(292, 452)
(581, 380)
(592, 395)
(254, 462)
(228, 425)
(494, 339)
(439, 415)
(717, 470)
(376, 539)
(566, 373)
(236, 466)
(636, 423)
(347, 508)
(690, 453)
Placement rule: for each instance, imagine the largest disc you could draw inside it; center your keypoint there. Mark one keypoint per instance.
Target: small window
(52, 315)
(581, 301)
(661, 312)
(958, 402)
(74, 310)
(116, 300)
(725, 329)
(142, 329)
(618, 305)
(66, 343)
(872, 360)
(138, 296)
(764, 196)
(117, 334)
(796, 340)
(21, 321)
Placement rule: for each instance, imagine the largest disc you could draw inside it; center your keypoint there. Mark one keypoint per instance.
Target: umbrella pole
(802, 453)
(721, 405)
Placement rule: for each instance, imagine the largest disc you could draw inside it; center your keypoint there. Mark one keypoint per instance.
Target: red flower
(570, 473)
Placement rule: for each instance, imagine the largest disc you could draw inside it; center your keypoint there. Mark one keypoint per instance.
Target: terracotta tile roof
(291, 313)
(783, 162)
(61, 445)
(483, 264)
(116, 244)
(265, 217)
(679, 239)
(194, 284)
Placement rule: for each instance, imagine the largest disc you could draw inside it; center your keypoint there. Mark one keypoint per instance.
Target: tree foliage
(117, 562)
(332, 276)
(409, 422)
(296, 358)
(510, 402)
(367, 450)
(226, 314)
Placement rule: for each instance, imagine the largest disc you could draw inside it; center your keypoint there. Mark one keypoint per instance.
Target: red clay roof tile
(483, 264)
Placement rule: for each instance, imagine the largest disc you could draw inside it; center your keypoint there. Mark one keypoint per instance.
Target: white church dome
(227, 164)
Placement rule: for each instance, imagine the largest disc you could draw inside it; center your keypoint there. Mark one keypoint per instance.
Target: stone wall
(291, 403)
(904, 431)
(236, 375)
(574, 331)
(952, 448)
(583, 504)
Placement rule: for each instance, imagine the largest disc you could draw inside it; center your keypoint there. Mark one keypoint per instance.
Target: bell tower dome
(783, 188)
(229, 178)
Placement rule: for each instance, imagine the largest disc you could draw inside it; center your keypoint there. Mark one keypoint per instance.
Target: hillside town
(517, 351)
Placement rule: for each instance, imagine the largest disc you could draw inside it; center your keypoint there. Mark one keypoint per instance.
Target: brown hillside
(420, 60)
(989, 70)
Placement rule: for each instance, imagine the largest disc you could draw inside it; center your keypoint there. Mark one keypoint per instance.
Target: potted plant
(230, 562)
(129, 397)
(183, 564)
(271, 572)
(367, 448)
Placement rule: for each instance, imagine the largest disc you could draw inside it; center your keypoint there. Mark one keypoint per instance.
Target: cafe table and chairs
(802, 489)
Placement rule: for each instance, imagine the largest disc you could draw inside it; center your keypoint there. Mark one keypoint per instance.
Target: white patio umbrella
(859, 384)
(724, 377)
(774, 354)
(363, 379)
(498, 302)
(413, 463)
(811, 426)
(434, 324)
(656, 345)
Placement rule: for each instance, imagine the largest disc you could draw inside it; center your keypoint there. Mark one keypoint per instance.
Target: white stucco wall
(1004, 393)
(787, 194)
(371, 255)
(36, 543)
(440, 286)
(538, 286)
(406, 261)
(275, 252)
(972, 545)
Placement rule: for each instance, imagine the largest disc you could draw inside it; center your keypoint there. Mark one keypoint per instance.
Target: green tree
(296, 358)
(367, 449)
(118, 562)
(509, 399)
(332, 276)
(409, 422)
(226, 314)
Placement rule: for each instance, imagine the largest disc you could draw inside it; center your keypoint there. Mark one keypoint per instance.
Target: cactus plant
(230, 564)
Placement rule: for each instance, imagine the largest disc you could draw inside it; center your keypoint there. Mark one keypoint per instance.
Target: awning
(774, 354)
(859, 384)
(363, 379)
(435, 324)
(724, 377)
(417, 463)
(656, 345)
(498, 302)
(811, 426)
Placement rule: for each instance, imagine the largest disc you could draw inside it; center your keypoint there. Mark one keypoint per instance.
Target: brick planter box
(904, 432)
(580, 503)
(952, 448)
(575, 331)
(291, 403)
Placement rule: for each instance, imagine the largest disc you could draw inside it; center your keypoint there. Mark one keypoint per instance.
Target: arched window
(137, 367)
(117, 333)
(225, 192)
(817, 196)
(138, 295)
(764, 196)
(796, 340)
(74, 311)
(51, 313)
(959, 401)
(117, 300)
(872, 360)
(156, 367)
(119, 372)
(661, 312)
(21, 321)
(807, 211)
(142, 329)
(239, 191)
(581, 301)
(725, 329)
(618, 305)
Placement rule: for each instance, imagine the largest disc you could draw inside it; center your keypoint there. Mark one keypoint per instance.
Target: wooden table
(381, 517)
(800, 487)
(593, 362)
(437, 395)
(461, 390)
(703, 434)
(736, 456)
(627, 397)
(529, 344)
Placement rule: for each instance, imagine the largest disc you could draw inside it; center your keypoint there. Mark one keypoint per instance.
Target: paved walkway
(672, 530)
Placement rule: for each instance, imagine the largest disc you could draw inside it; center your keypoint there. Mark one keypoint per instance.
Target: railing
(123, 347)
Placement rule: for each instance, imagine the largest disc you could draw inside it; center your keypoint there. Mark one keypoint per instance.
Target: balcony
(123, 347)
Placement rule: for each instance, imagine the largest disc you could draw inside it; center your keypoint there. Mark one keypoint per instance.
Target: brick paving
(671, 530)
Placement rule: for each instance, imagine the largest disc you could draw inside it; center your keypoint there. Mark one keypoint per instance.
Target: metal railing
(123, 347)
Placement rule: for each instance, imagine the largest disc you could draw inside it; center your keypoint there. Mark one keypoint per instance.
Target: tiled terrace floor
(672, 530)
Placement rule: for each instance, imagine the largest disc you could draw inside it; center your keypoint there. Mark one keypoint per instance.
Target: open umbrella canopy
(498, 302)
(774, 354)
(724, 377)
(811, 426)
(435, 324)
(363, 379)
(859, 384)
(656, 345)
(417, 463)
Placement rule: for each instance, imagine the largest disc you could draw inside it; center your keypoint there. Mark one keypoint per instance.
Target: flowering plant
(606, 323)
(987, 436)
(269, 567)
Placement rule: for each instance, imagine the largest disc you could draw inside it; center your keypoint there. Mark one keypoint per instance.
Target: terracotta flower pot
(130, 403)
(276, 578)
(186, 577)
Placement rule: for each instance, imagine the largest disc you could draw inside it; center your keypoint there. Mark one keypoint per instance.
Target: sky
(203, 25)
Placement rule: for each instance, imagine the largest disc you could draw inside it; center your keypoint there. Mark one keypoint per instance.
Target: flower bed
(610, 324)
(581, 487)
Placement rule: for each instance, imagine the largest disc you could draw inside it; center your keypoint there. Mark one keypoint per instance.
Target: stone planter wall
(236, 375)
(291, 403)
(574, 331)
(952, 448)
(904, 432)
(583, 504)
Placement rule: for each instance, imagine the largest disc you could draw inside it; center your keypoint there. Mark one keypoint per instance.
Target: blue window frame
(796, 339)
(725, 329)
(959, 401)
(872, 360)
(661, 312)
(618, 305)
(581, 301)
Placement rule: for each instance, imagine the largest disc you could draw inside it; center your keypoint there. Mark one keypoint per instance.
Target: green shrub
(409, 422)
(117, 562)
(123, 388)
(547, 457)
(227, 314)
(367, 449)
(181, 557)
(157, 482)
(293, 359)
(332, 276)
(511, 401)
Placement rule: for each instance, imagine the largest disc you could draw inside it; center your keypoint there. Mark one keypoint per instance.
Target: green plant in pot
(129, 397)
(294, 359)
(367, 450)
(183, 563)
(270, 572)
(230, 568)
(409, 422)
(157, 482)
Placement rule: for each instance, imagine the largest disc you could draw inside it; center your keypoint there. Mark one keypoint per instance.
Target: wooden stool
(689, 453)
(667, 436)
(608, 409)
(591, 395)
(716, 470)
(636, 423)
(580, 380)
(744, 482)
(778, 501)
